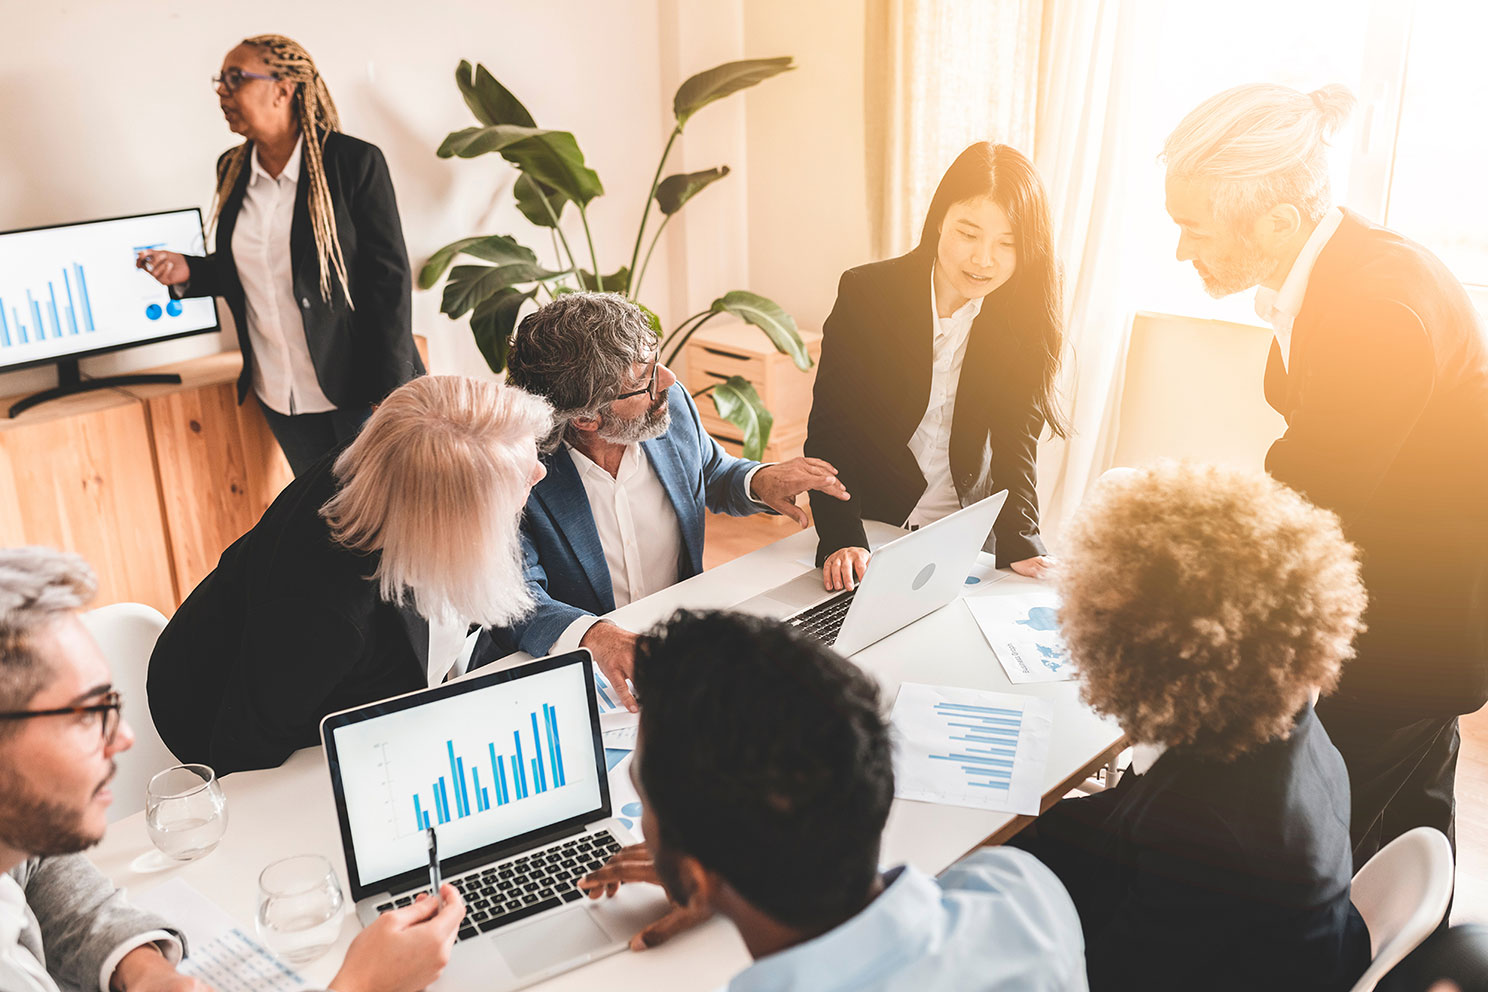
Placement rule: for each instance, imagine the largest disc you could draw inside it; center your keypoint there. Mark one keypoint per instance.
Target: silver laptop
(909, 577)
(509, 770)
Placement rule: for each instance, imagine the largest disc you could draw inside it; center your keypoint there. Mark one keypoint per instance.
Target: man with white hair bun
(360, 580)
(1380, 366)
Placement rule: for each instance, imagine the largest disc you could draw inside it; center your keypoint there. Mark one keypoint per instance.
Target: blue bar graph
(83, 288)
(4, 327)
(48, 316)
(71, 303)
(991, 736)
(36, 316)
(543, 763)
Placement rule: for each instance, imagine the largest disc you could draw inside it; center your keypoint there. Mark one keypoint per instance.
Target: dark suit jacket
(1203, 874)
(288, 627)
(562, 555)
(872, 388)
(360, 355)
(1386, 403)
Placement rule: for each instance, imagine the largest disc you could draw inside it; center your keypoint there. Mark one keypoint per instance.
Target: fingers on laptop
(844, 567)
(629, 864)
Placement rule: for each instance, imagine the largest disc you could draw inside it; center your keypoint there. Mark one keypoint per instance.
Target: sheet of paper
(221, 954)
(969, 747)
(1024, 634)
(624, 800)
(621, 738)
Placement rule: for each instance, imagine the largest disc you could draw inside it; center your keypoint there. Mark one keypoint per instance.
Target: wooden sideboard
(149, 483)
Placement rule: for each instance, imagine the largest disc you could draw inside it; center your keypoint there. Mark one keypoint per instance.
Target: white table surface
(288, 810)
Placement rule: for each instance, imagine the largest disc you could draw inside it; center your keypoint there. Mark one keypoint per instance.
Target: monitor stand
(70, 380)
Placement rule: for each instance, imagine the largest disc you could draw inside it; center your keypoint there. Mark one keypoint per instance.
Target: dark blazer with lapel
(1204, 874)
(1386, 402)
(360, 353)
(872, 388)
(288, 627)
(562, 555)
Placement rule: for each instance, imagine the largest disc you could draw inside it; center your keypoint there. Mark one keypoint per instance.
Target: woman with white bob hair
(329, 601)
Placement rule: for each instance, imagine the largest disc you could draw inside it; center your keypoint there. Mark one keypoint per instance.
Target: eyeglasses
(234, 77)
(108, 714)
(650, 389)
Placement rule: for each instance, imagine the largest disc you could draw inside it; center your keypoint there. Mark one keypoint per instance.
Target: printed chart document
(221, 954)
(1024, 634)
(969, 747)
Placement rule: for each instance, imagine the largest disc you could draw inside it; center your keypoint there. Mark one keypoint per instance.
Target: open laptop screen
(492, 762)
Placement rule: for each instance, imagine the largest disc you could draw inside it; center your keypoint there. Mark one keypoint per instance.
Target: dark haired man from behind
(770, 811)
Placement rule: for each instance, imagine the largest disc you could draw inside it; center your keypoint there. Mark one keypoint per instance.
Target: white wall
(109, 111)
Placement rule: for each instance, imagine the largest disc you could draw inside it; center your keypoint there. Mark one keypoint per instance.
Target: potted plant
(553, 175)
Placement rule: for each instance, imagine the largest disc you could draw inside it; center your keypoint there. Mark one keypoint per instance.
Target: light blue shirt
(997, 919)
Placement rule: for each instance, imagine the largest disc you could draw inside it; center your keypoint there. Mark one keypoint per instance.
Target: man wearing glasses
(62, 924)
(630, 470)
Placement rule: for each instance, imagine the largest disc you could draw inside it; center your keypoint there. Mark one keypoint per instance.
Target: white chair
(1402, 893)
(126, 633)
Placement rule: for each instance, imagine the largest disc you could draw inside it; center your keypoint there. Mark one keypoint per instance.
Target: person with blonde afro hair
(1205, 608)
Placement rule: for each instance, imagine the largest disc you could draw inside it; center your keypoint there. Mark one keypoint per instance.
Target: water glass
(185, 811)
(299, 907)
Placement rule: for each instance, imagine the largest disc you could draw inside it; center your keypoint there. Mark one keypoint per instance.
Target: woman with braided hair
(310, 255)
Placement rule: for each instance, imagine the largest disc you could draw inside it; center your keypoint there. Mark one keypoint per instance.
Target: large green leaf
(770, 317)
(673, 191)
(493, 321)
(529, 193)
(491, 102)
(471, 285)
(738, 403)
(616, 282)
(551, 157)
(652, 318)
(497, 248)
(718, 82)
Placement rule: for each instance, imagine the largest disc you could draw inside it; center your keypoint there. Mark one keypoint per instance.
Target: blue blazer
(562, 555)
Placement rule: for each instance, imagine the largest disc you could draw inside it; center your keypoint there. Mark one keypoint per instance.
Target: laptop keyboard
(513, 890)
(824, 620)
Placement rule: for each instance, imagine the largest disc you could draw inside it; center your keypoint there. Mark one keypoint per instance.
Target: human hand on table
(613, 648)
(404, 949)
(145, 969)
(778, 485)
(844, 568)
(1037, 567)
(635, 864)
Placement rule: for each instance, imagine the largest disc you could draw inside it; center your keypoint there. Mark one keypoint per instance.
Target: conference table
(288, 810)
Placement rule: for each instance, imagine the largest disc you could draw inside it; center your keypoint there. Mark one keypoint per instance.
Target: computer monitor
(69, 291)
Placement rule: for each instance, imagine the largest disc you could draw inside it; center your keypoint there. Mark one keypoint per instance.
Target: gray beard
(644, 428)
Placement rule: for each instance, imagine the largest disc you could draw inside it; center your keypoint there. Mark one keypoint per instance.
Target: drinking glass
(299, 907)
(185, 811)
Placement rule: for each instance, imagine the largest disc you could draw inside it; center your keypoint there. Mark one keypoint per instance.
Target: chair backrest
(126, 633)
(1402, 893)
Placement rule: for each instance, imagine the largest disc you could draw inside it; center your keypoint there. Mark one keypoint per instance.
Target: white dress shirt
(19, 968)
(997, 919)
(1280, 308)
(931, 441)
(283, 375)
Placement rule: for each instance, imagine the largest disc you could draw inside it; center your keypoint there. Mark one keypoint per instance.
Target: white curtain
(1054, 77)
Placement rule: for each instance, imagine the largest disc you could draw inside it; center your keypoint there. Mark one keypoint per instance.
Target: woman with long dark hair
(937, 370)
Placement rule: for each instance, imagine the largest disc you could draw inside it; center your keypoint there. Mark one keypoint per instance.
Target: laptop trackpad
(552, 941)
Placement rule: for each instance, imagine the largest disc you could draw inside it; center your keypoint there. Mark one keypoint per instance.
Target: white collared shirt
(283, 374)
(931, 441)
(1280, 308)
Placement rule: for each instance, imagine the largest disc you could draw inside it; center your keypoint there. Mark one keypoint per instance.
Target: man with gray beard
(629, 471)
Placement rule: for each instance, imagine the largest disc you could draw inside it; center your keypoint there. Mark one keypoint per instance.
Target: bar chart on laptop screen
(478, 766)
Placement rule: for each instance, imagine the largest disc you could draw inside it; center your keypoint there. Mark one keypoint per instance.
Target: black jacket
(360, 353)
(288, 627)
(1213, 875)
(1386, 402)
(872, 388)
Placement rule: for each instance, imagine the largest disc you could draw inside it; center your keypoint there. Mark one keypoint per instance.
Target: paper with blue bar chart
(478, 767)
(1023, 630)
(969, 747)
(75, 288)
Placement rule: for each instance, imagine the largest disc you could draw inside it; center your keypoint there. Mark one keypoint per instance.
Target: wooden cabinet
(719, 351)
(149, 483)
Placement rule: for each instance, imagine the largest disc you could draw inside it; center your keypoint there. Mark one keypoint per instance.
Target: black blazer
(872, 388)
(288, 627)
(360, 354)
(1386, 404)
(1204, 874)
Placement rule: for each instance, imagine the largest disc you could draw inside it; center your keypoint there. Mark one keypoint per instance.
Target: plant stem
(593, 258)
(635, 283)
(635, 253)
(572, 262)
(706, 316)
